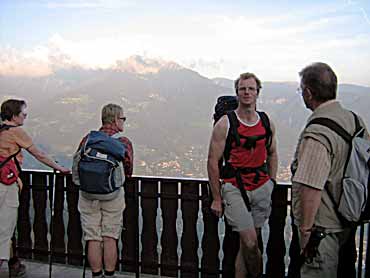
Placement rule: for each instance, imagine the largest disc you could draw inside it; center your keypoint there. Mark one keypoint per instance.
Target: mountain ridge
(169, 113)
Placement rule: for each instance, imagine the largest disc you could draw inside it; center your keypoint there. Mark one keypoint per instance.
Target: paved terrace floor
(41, 270)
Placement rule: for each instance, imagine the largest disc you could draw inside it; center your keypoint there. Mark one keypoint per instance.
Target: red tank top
(241, 157)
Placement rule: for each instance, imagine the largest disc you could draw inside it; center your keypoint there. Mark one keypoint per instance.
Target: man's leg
(110, 254)
(240, 268)
(95, 255)
(112, 220)
(251, 253)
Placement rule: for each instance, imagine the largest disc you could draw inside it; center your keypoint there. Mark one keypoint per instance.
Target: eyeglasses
(246, 89)
(300, 90)
(123, 119)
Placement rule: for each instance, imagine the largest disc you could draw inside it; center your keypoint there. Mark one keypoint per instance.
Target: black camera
(311, 249)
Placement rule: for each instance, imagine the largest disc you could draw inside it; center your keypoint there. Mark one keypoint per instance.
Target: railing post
(169, 240)
(230, 248)
(275, 266)
(210, 241)
(294, 252)
(149, 237)
(39, 195)
(348, 255)
(24, 241)
(57, 238)
(189, 239)
(74, 230)
(130, 233)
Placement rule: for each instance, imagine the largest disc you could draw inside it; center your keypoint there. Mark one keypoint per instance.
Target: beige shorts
(9, 203)
(236, 212)
(102, 218)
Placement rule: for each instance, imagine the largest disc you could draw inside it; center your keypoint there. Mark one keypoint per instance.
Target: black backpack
(225, 106)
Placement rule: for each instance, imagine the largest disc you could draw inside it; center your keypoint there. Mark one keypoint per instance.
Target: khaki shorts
(102, 218)
(9, 203)
(236, 212)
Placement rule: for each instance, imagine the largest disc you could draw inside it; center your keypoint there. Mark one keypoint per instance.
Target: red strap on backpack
(8, 171)
(9, 165)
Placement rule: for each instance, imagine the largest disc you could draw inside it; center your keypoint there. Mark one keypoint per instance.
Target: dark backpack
(354, 202)
(98, 165)
(225, 106)
(9, 166)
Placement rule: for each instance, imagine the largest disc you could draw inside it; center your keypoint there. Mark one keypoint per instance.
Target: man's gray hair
(110, 112)
(321, 80)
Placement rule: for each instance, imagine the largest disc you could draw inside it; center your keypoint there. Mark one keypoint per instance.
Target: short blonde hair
(110, 112)
(245, 76)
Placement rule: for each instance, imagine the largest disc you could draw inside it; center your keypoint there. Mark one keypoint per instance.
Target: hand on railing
(64, 170)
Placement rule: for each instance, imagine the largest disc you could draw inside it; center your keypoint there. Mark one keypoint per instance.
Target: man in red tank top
(247, 214)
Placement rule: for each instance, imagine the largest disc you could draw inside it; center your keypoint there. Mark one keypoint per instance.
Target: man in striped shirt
(317, 169)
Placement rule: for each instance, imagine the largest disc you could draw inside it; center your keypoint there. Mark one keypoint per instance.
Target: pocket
(317, 262)
(353, 200)
(263, 196)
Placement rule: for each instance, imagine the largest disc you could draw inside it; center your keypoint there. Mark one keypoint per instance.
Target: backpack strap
(117, 135)
(234, 124)
(360, 131)
(15, 160)
(267, 125)
(4, 127)
(232, 134)
(333, 126)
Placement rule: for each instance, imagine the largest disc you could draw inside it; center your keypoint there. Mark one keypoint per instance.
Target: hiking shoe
(17, 270)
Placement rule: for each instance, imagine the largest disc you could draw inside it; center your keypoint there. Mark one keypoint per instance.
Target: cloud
(14, 62)
(217, 45)
(89, 4)
(365, 15)
(358, 5)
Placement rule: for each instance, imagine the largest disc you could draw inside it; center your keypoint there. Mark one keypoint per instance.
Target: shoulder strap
(333, 126)
(6, 127)
(266, 124)
(360, 131)
(10, 157)
(117, 135)
(232, 134)
(234, 124)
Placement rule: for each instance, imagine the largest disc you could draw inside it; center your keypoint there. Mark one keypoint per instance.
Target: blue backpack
(98, 165)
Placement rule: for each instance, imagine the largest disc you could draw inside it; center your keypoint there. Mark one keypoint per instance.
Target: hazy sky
(274, 39)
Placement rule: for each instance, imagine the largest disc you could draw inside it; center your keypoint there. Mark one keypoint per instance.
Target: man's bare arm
(215, 152)
(310, 202)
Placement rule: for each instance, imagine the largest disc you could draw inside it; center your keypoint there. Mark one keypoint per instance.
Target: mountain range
(169, 112)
